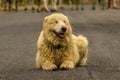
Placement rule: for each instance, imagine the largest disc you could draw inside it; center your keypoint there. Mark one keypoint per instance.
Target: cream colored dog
(58, 47)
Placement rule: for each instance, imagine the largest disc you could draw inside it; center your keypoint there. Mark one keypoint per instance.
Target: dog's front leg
(48, 64)
(67, 64)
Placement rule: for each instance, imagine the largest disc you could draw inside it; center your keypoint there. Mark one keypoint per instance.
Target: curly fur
(54, 52)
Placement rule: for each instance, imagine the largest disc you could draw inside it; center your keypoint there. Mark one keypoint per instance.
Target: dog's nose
(63, 29)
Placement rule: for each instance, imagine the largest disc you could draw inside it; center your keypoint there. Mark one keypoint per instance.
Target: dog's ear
(45, 21)
(68, 23)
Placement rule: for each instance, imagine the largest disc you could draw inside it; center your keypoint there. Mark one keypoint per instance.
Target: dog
(57, 47)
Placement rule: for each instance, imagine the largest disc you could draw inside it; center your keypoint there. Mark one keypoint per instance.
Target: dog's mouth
(60, 35)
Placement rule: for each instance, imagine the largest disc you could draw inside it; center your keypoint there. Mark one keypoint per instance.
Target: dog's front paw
(67, 65)
(49, 67)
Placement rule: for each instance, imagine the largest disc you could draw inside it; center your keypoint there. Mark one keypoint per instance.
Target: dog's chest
(58, 53)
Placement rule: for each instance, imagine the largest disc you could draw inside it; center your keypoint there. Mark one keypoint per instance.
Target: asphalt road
(19, 33)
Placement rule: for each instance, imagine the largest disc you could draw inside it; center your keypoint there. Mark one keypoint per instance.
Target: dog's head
(56, 27)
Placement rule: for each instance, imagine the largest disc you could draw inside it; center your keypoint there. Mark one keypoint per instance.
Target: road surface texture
(19, 32)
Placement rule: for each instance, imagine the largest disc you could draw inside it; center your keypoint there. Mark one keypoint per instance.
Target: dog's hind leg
(83, 60)
(82, 45)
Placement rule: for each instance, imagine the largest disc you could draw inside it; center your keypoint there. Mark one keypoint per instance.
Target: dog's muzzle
(63, 29)
(62, 32)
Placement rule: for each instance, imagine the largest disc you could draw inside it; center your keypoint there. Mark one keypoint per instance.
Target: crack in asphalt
(90, 73)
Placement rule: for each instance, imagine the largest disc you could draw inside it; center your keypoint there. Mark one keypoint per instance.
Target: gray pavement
(19, 32)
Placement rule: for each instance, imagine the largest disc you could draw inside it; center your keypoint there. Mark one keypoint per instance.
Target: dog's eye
(64, 21)
(56, 21)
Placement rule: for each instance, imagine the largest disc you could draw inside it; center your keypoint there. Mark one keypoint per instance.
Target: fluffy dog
(58, 47)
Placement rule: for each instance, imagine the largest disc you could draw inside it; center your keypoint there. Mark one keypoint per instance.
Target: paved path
(18, 36)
